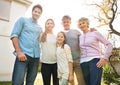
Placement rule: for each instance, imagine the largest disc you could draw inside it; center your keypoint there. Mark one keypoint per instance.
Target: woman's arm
(103, 60)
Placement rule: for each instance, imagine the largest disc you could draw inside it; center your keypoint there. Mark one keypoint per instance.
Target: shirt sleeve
(68, 53)
(18, 26)
(107, 44)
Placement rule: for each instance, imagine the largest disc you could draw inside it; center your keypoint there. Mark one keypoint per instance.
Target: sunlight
(55, 9)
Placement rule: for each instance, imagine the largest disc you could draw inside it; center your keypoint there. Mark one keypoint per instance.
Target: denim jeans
(49, 70)
(24, 69)
(92, 74)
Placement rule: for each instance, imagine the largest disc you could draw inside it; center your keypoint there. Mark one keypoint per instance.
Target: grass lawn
(5, 83)
(38, 81)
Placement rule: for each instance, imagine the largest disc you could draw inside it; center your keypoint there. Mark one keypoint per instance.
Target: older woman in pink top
(92, 60)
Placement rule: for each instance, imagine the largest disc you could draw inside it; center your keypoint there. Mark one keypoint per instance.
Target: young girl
(48, 59)
(64, 60)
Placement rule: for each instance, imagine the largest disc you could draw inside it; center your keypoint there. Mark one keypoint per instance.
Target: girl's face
(66, 24)
(36, 13)
(83, 25)
(49, 25)
(60, 38)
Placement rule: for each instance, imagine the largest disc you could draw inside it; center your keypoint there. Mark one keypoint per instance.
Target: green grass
(39, 68)
(5, 83)
(37, 82)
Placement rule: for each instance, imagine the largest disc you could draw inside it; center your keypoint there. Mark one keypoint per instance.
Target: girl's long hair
(44, 34)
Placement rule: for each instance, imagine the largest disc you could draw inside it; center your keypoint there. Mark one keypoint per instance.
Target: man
(25, 38)
(72, 39)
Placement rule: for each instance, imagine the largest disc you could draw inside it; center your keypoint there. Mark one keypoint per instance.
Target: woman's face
(60, 38)
(49, 25)
(83, 25)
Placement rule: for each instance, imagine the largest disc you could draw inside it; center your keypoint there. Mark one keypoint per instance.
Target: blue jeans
(49, 70)
(92, 74)
(28, 68)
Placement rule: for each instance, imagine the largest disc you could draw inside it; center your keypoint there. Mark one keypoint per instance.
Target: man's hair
(37, 6)
(66, 17)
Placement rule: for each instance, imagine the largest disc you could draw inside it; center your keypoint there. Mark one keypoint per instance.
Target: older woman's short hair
(84, 19)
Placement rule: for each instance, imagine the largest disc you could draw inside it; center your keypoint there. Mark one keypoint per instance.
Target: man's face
(36, 13)
(66, 24)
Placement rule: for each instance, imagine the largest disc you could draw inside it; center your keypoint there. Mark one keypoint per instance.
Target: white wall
(6, 57)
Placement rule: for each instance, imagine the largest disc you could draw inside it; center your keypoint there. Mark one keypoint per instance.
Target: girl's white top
(63, 58)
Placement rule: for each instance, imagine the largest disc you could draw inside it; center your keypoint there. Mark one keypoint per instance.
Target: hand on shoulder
(92, 29)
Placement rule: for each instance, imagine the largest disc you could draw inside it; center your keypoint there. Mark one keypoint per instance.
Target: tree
(108, 13)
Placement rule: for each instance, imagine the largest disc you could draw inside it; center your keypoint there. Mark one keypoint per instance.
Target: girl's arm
(70, 79)
(70, 62)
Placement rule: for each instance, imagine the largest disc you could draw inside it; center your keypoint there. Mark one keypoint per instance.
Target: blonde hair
(84, 19)
(44, 34)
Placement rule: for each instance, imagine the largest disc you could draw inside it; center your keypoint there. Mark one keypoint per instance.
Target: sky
(56, 9)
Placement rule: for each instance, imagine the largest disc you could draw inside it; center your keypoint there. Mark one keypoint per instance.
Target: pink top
(89, 45)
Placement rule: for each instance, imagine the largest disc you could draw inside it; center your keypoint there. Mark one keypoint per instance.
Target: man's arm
(21, 56)
(16, 44)
(14, 37)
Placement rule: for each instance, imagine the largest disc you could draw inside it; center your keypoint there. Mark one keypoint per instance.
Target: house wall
(18, 8)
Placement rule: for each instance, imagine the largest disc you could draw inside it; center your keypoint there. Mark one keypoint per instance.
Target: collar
(66, 31)
(33, 21)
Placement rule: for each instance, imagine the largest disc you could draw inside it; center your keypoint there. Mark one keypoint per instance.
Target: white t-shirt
(63, 57)
(49, 50)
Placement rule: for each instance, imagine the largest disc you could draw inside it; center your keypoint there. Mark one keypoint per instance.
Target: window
(5, 6)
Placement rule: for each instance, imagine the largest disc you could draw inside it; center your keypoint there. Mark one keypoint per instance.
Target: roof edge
(26, 2)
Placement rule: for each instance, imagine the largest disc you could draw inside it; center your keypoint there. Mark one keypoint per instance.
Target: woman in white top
(48, 59)
(64, 60)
